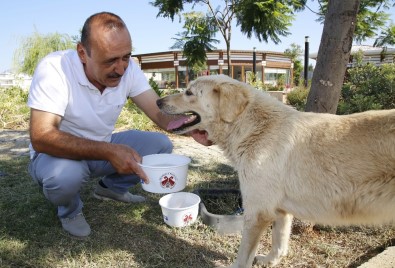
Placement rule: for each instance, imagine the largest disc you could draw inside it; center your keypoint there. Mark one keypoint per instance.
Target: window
(277, 77)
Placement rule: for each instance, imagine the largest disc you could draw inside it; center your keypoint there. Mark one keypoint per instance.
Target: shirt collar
(80, 72)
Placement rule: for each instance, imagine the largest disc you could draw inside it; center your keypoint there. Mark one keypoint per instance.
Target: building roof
(367, 50)
(213, 51)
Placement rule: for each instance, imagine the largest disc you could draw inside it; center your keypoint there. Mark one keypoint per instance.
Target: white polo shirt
(60, 86)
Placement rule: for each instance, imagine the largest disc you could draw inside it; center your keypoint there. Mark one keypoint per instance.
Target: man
(75, 100)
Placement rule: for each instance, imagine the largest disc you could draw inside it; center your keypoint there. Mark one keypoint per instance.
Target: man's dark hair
(107, 20)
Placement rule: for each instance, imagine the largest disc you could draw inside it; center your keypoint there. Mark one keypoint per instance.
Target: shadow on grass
(213, 175)
(123, 235)
(372, 253)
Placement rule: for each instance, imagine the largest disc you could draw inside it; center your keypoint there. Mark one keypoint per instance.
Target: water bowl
(180, 209)
(167, 172)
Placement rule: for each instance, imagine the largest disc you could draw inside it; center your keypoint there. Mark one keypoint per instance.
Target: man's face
(109, 58)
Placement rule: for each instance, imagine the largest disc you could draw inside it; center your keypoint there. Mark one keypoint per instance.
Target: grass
(131, 117)
(135, 236)
(14, 113)
(225, 203)
(125, 235)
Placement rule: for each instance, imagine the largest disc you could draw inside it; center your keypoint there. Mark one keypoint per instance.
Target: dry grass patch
(135, 235)
(125, 235)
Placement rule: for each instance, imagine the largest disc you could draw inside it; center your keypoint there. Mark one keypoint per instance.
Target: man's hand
(125, 161)
(201, 136)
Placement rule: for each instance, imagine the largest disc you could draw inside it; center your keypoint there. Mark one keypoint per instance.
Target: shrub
(155, 86)
(132, 117)
(14, 113)
(298, 98)
(368, 87)
(254, 81)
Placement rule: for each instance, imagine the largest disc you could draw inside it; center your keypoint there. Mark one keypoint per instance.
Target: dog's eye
(188, 92)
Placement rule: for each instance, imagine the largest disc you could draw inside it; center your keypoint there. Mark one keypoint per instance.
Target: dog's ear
(232, 100)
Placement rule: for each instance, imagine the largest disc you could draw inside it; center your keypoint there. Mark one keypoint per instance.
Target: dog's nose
(159, 102)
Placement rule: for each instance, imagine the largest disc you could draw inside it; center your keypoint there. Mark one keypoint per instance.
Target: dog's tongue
(177, 123)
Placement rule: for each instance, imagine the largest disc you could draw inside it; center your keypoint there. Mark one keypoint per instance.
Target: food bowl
(224, 223)
(180, 209)
(167, 172)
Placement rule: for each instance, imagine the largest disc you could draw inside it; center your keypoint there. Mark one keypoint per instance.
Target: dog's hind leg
(252, 230)
(280, 237)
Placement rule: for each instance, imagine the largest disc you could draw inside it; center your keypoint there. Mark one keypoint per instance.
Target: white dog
(324, 168)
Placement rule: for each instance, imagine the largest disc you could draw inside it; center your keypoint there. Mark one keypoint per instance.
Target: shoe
(106, 194)
(76, 226)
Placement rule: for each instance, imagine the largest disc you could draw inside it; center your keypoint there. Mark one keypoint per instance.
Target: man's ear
(81, 53)
(233, 99)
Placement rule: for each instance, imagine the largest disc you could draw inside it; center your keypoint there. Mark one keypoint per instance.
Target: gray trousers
(61, 179)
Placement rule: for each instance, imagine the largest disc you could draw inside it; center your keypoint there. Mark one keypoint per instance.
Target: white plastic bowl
(167, 172)
(180, 209)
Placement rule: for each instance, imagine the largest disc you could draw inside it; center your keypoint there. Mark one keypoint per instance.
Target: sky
(21, 18)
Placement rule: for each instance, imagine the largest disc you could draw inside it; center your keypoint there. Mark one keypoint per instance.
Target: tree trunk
(333, 56)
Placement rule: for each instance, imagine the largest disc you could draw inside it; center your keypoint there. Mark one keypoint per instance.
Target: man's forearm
(65, 145)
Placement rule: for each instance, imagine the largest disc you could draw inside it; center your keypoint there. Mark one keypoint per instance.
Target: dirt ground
(16, 143)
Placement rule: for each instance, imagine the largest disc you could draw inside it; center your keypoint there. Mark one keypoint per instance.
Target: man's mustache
(114, 75)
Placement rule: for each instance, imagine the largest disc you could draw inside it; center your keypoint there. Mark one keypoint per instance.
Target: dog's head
(207, 100)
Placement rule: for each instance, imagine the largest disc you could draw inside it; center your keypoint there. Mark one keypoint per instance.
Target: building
(374, 55)
(8, 79)
(168, 69)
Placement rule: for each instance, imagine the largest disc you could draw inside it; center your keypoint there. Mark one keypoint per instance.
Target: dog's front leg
(251, 234)
(280, 238)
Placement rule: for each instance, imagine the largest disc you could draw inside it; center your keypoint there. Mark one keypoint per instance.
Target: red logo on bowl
(187, 218)
(168, 180)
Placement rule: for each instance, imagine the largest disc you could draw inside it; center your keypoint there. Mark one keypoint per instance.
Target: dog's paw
(266, 261)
